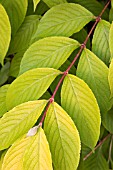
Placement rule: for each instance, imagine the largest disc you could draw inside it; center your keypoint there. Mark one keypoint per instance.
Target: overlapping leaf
(48, 52)
(110, 77)
(95, 73)
(79, 102)
(111, 40)
(100, 43)
(3, 92)
(35, 3)
(16, 10)
(64, 20)
(30, 86)
(63, 138)
(5, 33)
(37, 155)
(18, 121)
(4, 73)
(53, 3)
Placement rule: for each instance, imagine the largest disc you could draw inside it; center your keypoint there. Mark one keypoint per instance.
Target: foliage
(50, 50)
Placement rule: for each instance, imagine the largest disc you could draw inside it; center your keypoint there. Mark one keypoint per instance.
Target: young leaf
(16, 10)
(48, 52)
(95, 73)
(63, 20)
(18, 121)
(37, 155)
(110, 77)
(3, 92)
(22, 38)
(111, 40)
(35, 3)
(100, 43)
(63, 138)
(55, 2)
(14, 157)
(30, 86)
(79, 102)
(5, 33)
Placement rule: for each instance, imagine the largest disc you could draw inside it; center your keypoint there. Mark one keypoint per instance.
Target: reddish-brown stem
(76, 57)
(99, 144)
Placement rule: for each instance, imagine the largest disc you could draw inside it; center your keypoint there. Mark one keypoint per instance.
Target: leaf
(53, 3)
(95, 73)
(111, 15)
(5, 33)
(37, 155)
(4, 73)
(63, 20)
(18, 121)
(22, 38)
(79, 102)
(110, 77)
(16, 10)
(63, 138)
(48, 52)
(35, 3)
(30, 86)
(111, 40)
(100, 42)
(14, 157)
(41, 8)
(3, 92)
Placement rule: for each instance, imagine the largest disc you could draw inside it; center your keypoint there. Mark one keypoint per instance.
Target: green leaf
(110, 77)
(37, 155)
(111, 15)
(35, 3)
(5, 33)
(95, 73)
(4, 73)
(3, 92)
(16, 10)
(22, 38)
(100, 43)
(41, 8)
(14, 157)
(63, 138)
(18, 121)
(30, 86)
(48, 52)
(79, 102)
(53, 3)
(111, 40)
(63, 20)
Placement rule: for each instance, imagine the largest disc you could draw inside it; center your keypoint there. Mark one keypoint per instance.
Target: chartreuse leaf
(111, 40)
(79, 102)
(95, 73)
(30, 86)
(14, 157)
(16, 10)
(37, 155)
(63, 138)
(5, 33)
(23, 36)
(110, 77)
(48, 52)
(64, 20)
(100, 43)
(18, 121)
(35, 3)
(53, 3)
(3, 92)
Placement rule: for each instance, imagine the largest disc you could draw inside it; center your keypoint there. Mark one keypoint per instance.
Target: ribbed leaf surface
(111, 40)
(64, 20)
(55, 2)
(30, 86)
(35, 3)
(18, 121)
(48, 52)
(100, 43)
(16, 10)
(3, 92)
(95, 73)
(37, 155)
(63, 138)
(23, 36)
(110, 77)
(5, 33)
(79, 102)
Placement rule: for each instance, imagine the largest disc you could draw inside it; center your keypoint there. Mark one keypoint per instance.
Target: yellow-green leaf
(110, 77)
(52, 3)
(63, 138)
(35, 3)
(80, 103)
(111, 40)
